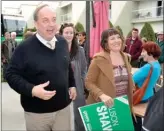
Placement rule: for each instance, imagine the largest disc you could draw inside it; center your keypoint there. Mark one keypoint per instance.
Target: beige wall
(77, 10)
(121, 15)
(156, 23)
(27, 12)
(147, 4)
(10, 10)
(117, 7)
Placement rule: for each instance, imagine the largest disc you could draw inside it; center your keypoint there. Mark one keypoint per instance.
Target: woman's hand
(108, 101)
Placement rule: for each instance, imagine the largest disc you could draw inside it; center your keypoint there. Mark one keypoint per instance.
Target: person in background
(83, 43)
(13, 35)
(82, 38)
(7, 36)
(133, 47)
(150, 54)
(28, 34)
(13, 40)
(141, 62)
(109, 74)
(160, 42)
(41, 73)
(6, 52)
(79, 65)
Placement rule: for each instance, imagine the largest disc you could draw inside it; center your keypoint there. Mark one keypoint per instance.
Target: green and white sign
(98, 117)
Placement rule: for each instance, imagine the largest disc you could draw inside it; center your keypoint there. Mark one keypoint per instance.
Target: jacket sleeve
(141, 74)
(91, 80)
(71, 77)
(136, 56)
(15, 74)
(83, 64)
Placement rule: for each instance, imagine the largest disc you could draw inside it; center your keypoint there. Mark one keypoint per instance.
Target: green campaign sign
(98, 117)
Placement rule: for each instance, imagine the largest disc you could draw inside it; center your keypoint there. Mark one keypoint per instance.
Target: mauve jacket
(134, 49)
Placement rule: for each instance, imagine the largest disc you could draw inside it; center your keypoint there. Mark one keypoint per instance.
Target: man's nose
(52, 23)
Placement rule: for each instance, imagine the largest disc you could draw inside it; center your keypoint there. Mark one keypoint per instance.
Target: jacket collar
(105, 64)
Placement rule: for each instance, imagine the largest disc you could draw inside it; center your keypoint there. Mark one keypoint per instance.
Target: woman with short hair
(150, 53)
(109, 74)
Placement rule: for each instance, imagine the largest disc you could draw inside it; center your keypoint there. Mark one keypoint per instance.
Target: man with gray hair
(13, 35)
(13, 40)
(41, 73)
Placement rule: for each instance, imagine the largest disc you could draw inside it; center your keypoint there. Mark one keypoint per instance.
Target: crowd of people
(50, 71)
(7, 48)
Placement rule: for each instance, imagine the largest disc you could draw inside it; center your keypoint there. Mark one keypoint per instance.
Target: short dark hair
(152, 49)
(35, 15)
(104, 38)
(83, 33)
(135, 29)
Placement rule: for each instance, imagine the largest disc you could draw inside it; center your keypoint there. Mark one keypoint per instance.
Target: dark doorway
(159, 8)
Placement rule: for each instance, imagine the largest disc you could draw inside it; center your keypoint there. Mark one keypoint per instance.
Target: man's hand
(40, 92)
(72, 93)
